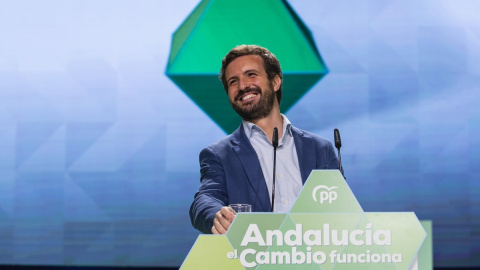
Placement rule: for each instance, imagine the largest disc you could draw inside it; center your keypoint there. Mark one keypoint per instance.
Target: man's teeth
(248, 96)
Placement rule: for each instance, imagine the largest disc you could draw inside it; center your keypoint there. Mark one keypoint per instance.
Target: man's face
(250, 92)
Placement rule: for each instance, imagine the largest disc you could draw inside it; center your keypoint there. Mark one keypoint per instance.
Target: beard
(252, 112)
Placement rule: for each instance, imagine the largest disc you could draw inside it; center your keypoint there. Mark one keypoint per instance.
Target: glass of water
(241, 207)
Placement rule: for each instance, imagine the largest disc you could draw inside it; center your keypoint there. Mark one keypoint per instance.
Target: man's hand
(222, 220)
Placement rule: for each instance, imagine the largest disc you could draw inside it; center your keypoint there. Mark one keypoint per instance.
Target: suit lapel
(251, 166)
(305, 152)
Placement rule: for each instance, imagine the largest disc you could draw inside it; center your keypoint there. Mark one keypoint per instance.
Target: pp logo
(326, 193)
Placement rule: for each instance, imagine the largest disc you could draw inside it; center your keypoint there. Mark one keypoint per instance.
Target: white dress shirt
(288, 179)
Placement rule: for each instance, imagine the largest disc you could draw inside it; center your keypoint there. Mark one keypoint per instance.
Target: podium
(325, 229)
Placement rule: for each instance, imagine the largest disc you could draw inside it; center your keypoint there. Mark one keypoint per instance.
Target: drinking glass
(241, 207)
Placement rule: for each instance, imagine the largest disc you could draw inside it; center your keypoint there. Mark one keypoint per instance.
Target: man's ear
(277, 81)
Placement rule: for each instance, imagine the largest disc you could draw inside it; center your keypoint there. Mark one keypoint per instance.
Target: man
(239, 168)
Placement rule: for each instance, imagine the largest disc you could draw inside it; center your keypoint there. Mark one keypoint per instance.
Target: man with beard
(239, 168)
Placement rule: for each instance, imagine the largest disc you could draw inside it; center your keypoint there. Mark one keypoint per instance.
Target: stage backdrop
(99, 148)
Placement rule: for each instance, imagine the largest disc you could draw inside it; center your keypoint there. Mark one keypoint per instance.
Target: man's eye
(251, 74)
(232, 82)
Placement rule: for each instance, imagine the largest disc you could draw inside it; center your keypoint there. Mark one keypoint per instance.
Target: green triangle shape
(241, 223)
(322, 183)
(181, 35)
(216, 26)
(352, 250)
(407, 233)
(275, 251)
(208, 249)
(339, 221)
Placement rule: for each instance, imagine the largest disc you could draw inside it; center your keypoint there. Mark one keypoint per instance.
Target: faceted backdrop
(99, 148)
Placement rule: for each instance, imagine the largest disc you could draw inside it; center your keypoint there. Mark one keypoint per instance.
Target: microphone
(275, 144)
(275, 137)
(338, 144)
(338, 141)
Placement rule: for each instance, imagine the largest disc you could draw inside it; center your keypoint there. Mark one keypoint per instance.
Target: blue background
(99, 149)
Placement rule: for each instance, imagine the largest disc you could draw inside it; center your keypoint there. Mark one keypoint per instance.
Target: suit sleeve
(212, 194)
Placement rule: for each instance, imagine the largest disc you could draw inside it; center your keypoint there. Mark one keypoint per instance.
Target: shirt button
(280, 175)
(285, 201)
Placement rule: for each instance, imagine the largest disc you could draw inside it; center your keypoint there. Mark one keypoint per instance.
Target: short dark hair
(270, 64)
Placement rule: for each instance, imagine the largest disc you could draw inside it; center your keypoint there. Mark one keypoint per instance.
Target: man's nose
(242, 84)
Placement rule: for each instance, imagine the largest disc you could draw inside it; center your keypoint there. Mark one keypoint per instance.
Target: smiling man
(239, 168)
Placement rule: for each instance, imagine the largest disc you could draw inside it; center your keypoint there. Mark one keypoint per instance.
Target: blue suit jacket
(231, 173)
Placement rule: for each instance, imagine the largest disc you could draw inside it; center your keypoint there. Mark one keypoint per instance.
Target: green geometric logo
(325, 229)
(216, 26)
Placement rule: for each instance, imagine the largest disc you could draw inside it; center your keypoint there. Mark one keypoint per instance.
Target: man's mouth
(248, 97)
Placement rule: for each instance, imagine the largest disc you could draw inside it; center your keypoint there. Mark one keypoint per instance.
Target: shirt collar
(248, 126)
